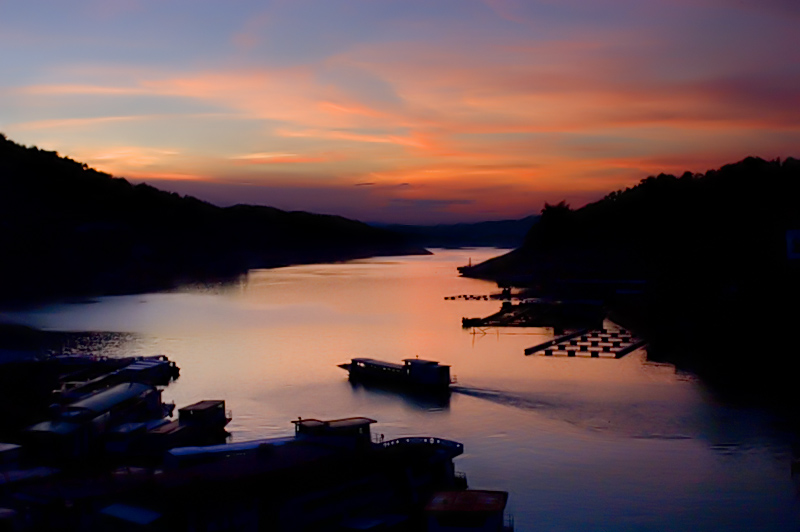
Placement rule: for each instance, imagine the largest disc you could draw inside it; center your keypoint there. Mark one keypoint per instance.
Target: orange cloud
(516, 117)
(168, 176)
(348, 135)
(129, 157)
(283, 158)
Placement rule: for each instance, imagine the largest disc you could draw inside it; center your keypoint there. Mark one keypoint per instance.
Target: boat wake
(646, 420)
(504, 397)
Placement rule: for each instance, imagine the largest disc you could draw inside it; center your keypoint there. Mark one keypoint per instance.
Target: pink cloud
(82, 89)
(71, 122)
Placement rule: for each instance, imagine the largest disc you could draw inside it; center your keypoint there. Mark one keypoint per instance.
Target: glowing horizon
(412, 112)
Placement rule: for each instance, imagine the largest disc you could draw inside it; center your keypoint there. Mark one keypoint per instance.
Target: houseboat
(329, 475)
(201, 423)
(414, 373)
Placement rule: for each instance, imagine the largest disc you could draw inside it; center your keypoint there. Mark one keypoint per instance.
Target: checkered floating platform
(591, 343)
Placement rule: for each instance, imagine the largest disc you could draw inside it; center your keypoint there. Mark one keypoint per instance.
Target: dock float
(555, 341)
(595, 343)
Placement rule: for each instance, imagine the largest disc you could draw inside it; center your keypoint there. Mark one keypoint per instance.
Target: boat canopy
(345, 427)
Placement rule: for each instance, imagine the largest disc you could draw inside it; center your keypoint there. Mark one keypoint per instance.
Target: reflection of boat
(478, 510)
(418, 398)
(413, 373)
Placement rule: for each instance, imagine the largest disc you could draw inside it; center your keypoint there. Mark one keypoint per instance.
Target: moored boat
(413, 373)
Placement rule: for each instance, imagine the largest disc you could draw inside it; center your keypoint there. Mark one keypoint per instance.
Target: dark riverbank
(690, 263)
(68, 230)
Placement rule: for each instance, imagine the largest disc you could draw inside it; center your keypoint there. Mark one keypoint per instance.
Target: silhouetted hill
(66, 229)
(501, 233)
(719, 293)
(736, 217)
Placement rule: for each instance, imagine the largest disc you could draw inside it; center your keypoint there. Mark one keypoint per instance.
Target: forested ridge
(717, 289)
(67, 229)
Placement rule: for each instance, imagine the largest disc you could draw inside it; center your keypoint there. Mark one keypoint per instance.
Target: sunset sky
(404, 111)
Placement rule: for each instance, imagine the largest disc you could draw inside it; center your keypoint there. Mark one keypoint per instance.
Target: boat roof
(54, 427)
(132, 514)
(170, 427)
(128, 428)
(134, 426)
(105, 400)
(8, 447)
(334, 423)
(381, 363)
(468, 501)
(204, 405)
(229, 448)
(420, 361)
(147, 363)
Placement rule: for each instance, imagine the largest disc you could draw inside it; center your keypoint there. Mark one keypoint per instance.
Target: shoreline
(167, 282)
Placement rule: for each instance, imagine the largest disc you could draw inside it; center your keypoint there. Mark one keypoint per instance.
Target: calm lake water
(580, 444)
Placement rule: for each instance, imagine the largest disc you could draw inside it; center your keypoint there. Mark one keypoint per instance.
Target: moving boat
(413, 373)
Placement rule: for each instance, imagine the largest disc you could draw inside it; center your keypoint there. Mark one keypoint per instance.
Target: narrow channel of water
(580, 444)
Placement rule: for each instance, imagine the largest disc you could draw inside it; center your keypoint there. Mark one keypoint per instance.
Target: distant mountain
(500, 234)
(66, 229)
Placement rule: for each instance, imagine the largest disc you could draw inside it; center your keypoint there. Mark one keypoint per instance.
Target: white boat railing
(422, 441)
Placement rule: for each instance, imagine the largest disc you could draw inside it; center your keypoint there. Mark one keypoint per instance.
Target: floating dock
(594, 343)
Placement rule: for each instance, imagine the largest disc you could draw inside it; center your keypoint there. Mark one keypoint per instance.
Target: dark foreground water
(580, 444)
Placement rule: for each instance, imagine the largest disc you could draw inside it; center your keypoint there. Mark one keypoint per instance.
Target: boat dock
(595, 343)
(542, 313)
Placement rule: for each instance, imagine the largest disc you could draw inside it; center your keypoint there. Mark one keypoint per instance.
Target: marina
(329, 476)
(112, 459)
